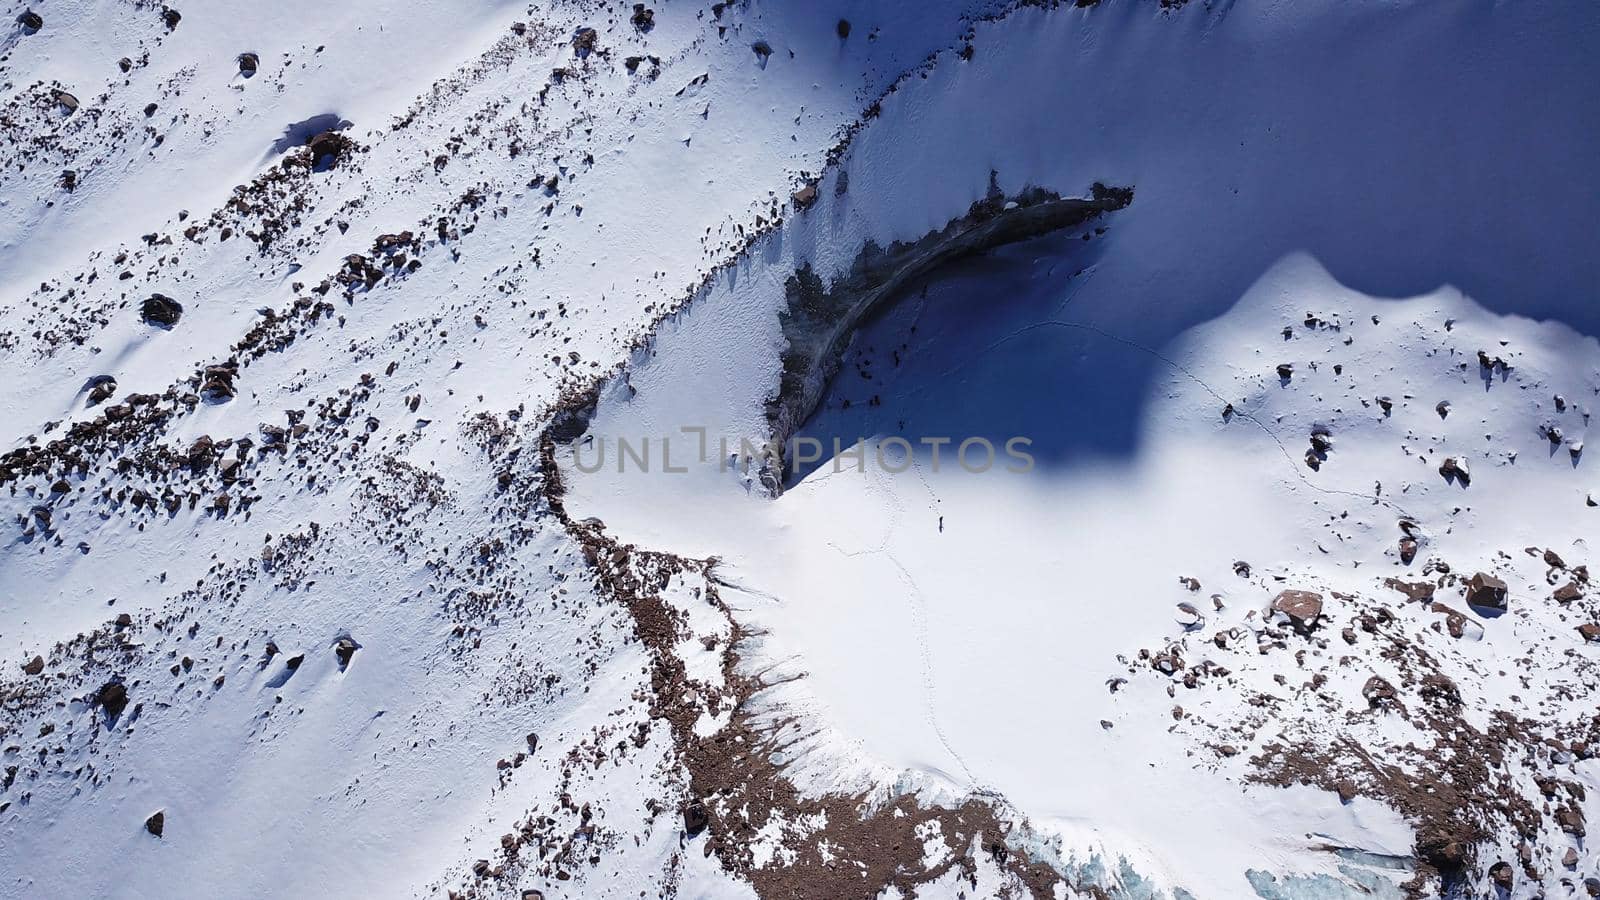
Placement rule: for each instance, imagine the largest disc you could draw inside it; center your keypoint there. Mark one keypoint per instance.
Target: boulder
(249, 63)
(30, 21)
(156, 823)
(328, 149)
(33, 666)
(161, 310)
(695, 818)
(1567, 592)
(1486, 592)
(1378, 692)
(584, 41)
(101, 387)
(112, 697)
(1455, 468)
(1303, 609)
(1408, 550)
(345, 648)
(216, 382)
(170, 17)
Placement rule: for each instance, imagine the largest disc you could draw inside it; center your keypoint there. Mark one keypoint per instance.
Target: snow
(1417, 174)
(984, 611)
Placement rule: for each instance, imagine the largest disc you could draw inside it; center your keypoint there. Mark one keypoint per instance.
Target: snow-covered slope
(322, 328)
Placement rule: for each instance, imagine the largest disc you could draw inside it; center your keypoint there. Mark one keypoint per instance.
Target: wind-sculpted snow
(314, 319)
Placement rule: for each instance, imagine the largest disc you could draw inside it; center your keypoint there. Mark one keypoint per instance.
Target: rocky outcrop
(819, 319)
(161, 310)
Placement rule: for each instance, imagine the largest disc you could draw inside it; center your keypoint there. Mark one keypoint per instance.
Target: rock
(1570, 818)
(1570, 858)
(328, 149)
(843, 29)
(1443, 409)
(216, 382)
(1408, 550)
(124, 620)
(642, 18)
(584, 41)
(201, 453)
(101, 387)
(170, 17)
(1285, 371)
(156, 823)
(804, 197)
(345, 648)
(392, 243)
(1442, 852)
(33, 666)
(249, 63)
(1501, 874)
(1554, 560)
(1590, 632)
(1378, 692)
(112, 697)
(695, 818)
(125, 64)
(1241, 568)
(1454, 467)
(1486, 592)
(1303, 608)
(531, 894)
(161, 310)
(1459, 624)
(1567, 593)
(65, 100)
(30, 21)
(1189, 617)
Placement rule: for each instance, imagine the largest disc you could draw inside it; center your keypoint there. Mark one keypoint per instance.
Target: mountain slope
(315, 319)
